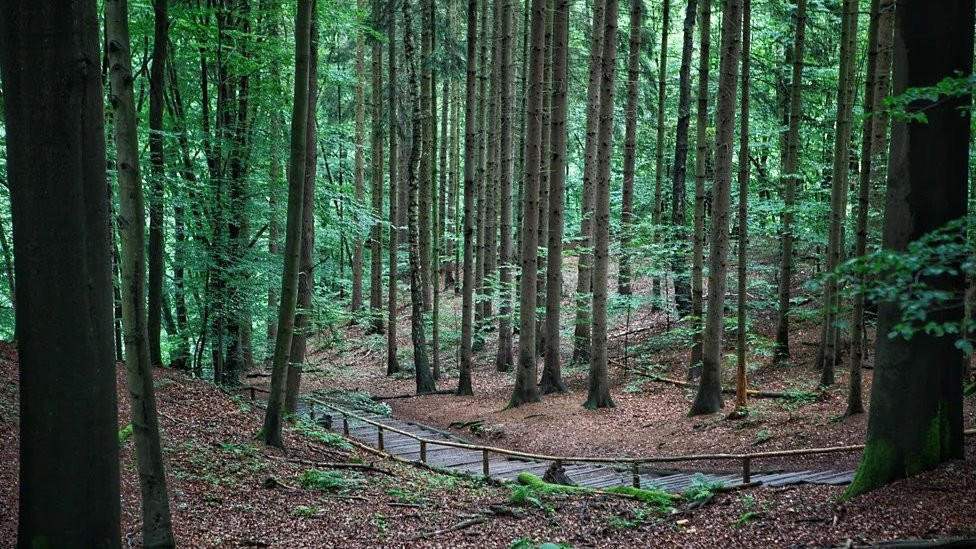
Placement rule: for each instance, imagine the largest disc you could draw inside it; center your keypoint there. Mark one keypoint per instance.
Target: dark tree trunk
(630, 143)
(741, 400)
(359, 185)
(56, 167)
(470, 181)
(392, 361)
(376, 177)
(504, 358)
(157, 181)
(271, 431)
(913, 427)
(708, 400)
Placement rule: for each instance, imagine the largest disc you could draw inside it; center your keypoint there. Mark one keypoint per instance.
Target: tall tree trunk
(157, 530)
(679, 173)
(424, 377)
(543, 222)
(913, 427)
(662, 71)
(271, 431)
(581, 332)
(630, 141)
(701, 159)
(358, 167)
(504, 358)
(552, 381)
(392, 361)
(470, 181)
(782, 351)
(741, 400)
(709, 397)
(480, 223)
(525, 374)
(874, 132)
(157, 181)
(54, 125)
(306, 278)
(435, 236)
(426, 150)
(491, 182)
(838, 190)
(376, 178)
(599, 385)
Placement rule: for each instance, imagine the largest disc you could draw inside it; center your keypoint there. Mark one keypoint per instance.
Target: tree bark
(701, 160)
(392, 361)
(543, 221)
(581, 332)
(356, 305)
(552, 381)
(424, 377)
(306, 278)
(157, 181)
(504, 358)
(662, 73)
(874, 132)
(525, 374)
(630, 140)
(599, 386)
(682, 286)
(709, 397)
(470, 181)
(782, 351)
(271, 431)
(741, 401)
(54, 123)
(913, 427)
(157, 530)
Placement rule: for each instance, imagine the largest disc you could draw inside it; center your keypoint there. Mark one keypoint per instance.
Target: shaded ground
(217, 475)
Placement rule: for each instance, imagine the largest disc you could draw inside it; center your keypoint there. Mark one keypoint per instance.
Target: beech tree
(55, 151)
(913, 427)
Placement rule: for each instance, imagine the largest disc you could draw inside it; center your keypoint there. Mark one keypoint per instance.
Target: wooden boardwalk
(588, 475)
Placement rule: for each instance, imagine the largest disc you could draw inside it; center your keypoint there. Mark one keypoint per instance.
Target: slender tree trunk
(504, 358)
(741, 400)
(435, 244)
(157, 530)
(427, 150)
(782, 351)
(392, 361)
(376, 178)
(552, 381)
(358, 168)
(913, 427)
(543, 222)
(306, 278)
(52, 100)
(709, 397)
(525, 375)
(157, 181)
(480, 224)
(662, 72)
(630, 142)
(470, 181)
(599, 385)
(838, 190)
(581, 332)
(701, 160)
(682, 286)
(874, 134)
(271, 431)
(424, 377)
(493, 151)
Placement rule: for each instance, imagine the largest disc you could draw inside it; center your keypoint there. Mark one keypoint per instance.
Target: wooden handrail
(746, 459)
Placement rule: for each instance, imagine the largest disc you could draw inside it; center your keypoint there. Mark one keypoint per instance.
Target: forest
(518, 274)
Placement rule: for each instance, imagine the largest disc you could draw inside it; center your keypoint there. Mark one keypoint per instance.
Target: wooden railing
(634, 462)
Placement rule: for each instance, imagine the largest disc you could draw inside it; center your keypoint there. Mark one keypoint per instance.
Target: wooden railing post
(379, 437)
(636, 472)
(484, 462)
(423, 451)
(746, 473)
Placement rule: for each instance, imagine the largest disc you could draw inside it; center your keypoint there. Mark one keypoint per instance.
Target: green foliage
(330, 481)
(240, 450)
(660, 500)
(357, 400)
(795, 398)
(638, 517)
(303, 511)
(125, 433)
(529, 543)
(913, 102)
(314, 432)
(701, 490)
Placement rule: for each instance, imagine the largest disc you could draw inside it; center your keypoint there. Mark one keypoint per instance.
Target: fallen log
(754, 393)
(412, 395)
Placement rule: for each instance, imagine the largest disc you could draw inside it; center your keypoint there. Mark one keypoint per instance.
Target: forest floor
(219, 476)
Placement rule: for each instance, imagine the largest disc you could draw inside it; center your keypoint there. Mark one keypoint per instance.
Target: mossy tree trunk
(916, 415)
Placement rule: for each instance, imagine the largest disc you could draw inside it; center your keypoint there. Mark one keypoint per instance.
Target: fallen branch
(334, 465)
(459, 526)
(754, 393)
(272, 482)
(412, 395)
